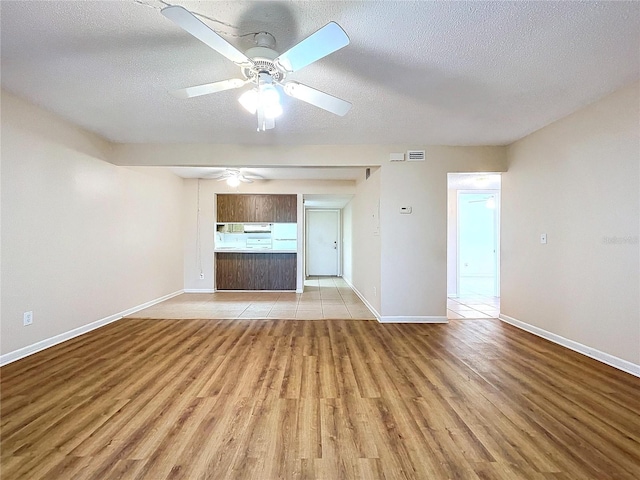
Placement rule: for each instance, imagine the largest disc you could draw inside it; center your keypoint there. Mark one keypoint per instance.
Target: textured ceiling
(448, 73)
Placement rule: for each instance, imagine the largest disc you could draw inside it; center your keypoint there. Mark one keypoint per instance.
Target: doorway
(322, 242)
(473, 246)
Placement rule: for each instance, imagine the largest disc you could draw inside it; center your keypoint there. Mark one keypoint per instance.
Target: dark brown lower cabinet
(256, 271)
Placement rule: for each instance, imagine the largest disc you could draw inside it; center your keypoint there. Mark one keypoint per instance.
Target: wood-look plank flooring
(323, 399)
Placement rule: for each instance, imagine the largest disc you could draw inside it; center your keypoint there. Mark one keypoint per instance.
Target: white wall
(414, 247)
(82, 239)
(577, 180)
(200, 255)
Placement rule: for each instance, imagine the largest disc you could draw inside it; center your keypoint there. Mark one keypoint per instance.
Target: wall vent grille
(416, 155)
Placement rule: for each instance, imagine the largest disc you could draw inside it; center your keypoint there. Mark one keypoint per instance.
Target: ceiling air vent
(415, 155)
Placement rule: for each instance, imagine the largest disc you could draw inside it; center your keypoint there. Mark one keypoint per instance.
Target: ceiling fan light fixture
(265, 96)
(268, 97)
(249, 100)
(272, 111)
(233, 181)
(265, 67)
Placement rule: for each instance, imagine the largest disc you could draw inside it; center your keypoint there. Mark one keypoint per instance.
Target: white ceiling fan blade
(208, 88)
(327, 40)
(245, 179)
(188, 22)
(317, 98)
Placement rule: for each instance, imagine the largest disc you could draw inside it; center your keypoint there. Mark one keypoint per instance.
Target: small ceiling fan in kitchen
(234, 176)
(264, 69)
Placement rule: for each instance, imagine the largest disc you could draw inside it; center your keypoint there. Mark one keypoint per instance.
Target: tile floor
(473, 306)
(323, 297)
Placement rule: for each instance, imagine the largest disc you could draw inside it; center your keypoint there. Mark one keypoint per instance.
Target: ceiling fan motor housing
(262, 58)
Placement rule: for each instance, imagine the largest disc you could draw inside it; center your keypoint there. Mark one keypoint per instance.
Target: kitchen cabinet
(236, 208)
(286, 208)
(256, 271)
(241, 208)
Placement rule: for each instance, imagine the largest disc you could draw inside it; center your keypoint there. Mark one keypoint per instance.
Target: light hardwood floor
(324, 399)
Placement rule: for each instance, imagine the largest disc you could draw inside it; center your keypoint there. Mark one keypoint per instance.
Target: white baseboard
(396, 319)
(603, 357)
(410, 319)
(63, 337)
(364, 300)
(198, 290)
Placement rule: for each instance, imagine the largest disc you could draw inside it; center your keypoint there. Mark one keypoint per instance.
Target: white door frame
(339, 240)
(496, 246)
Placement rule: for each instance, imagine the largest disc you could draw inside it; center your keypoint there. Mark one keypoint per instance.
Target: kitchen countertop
(251, 250)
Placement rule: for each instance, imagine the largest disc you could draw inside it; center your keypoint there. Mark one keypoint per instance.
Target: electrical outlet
(27, 318)
(202, 276)
(375, 292)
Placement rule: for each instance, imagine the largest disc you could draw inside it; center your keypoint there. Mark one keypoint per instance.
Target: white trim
(364, 300)
(198, 290)
(63, 337)
(395, 319)
(419, 319)
(603, 357)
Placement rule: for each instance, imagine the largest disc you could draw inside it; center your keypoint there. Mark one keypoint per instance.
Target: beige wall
(82, 239)
(199, 254)
(365, 237)
(414, 247)
(577, 180)
(347, 242)
(412, 250)
(250, 155)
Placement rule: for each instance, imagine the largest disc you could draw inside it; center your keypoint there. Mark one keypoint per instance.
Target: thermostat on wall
(405, 210)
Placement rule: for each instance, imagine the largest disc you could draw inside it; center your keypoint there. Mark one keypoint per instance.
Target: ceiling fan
(234, 176)
(490, 201)
(264, 68)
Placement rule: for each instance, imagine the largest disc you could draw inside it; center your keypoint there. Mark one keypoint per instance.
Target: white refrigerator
(284, 236)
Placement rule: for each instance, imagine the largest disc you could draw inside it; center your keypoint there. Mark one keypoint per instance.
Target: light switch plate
(543, 238)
